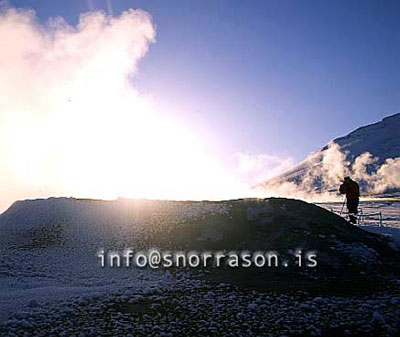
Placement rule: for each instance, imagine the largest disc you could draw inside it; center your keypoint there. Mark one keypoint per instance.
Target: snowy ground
(38, 273)
(61, 290)
(390, 210)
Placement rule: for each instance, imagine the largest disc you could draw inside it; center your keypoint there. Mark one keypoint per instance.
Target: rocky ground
(195, 308)
(51, 284)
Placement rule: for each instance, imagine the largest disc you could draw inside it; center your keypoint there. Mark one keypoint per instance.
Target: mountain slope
(370, 154)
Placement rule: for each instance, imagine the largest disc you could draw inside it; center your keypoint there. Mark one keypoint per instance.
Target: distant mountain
(371, 154)
(381, 139)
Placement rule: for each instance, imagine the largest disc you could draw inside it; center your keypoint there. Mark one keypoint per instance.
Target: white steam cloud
(319, 176)
(72, 123)
(60, 86)
(253, 168)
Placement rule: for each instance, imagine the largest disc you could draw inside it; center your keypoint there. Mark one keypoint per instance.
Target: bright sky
(250, 87)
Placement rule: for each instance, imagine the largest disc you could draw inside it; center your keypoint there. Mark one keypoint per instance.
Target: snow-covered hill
(370, 154)
(52, 283)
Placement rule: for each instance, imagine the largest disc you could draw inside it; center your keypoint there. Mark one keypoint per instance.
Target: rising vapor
(253, 168)
(72, 123)
(320, 180)
(63, 89)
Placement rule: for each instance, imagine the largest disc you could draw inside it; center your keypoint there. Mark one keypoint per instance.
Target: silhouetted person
(352, 191)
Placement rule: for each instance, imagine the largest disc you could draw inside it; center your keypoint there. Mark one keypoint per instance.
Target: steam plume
(63, 89)
(324, 171)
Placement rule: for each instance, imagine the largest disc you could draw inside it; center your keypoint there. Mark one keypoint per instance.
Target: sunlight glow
(131, 152)
(73, 124)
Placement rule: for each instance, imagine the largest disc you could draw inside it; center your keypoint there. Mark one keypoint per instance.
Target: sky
(260, 84)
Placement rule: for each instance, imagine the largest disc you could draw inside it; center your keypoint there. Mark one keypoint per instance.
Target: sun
(128, 151)
(76, 125)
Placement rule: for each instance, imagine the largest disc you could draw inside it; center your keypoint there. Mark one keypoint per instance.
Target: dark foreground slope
(284, 226)
(345, 253)
(52, 283)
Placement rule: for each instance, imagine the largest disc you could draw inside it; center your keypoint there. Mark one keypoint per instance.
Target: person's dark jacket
(350, 188)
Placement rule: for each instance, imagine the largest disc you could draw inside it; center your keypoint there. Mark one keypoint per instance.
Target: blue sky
(274, 77)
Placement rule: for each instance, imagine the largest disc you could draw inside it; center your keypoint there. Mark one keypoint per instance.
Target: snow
(390, 210)
(64, 266)
(57, 287)
(381, 140)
